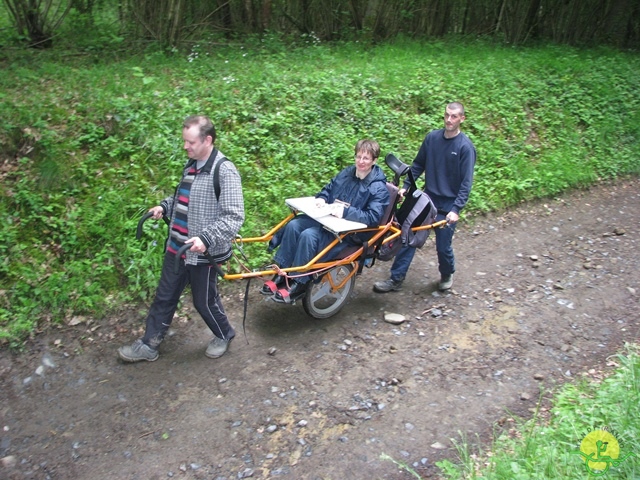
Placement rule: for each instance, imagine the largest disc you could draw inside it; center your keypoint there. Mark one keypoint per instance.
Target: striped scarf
(180, 230)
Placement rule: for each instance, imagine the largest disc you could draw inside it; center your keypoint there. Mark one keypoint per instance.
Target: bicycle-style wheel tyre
(320, 301)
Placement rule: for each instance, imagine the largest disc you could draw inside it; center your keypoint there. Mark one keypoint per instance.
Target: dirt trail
(543, 293)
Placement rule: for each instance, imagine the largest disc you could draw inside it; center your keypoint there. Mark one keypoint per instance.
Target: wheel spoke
(323, 290)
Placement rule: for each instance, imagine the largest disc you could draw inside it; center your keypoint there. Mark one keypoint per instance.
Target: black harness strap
(216, 177)
(244, 313)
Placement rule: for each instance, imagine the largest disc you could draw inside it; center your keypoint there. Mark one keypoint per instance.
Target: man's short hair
(204, 123)
(456, 106)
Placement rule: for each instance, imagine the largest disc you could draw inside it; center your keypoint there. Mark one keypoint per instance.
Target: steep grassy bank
(88, 144)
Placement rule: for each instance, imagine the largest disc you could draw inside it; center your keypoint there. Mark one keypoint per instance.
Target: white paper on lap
(321, 215)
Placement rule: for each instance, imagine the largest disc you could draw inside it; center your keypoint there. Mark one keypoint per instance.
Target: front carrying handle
(144, 218)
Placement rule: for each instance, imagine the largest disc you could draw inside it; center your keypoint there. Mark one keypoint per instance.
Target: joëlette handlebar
(144, 218)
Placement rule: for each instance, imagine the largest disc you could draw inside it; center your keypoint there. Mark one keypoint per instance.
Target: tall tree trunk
(248, 16)
(530, 21)
(175, 21)
(499, 22)
(266, 14)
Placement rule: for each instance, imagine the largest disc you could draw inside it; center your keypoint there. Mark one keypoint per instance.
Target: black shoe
(292, 294)
(388, 285)
(137, 352)
(446, 281)
(270, 287)
(217, 347)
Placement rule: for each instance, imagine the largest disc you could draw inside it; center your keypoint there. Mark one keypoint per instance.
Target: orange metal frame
(314, 265)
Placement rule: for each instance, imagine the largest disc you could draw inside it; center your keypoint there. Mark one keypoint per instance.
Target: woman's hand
(337, 209)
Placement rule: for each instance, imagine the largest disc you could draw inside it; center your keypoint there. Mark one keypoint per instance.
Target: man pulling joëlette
(209, 224)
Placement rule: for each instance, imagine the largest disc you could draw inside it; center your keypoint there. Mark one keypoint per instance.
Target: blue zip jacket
(367, 198)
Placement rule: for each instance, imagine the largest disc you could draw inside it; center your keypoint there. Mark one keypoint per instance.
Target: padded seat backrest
(393, 195)
(388, 212)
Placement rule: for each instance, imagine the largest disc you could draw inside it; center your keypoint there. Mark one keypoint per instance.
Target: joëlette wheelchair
(332, 281)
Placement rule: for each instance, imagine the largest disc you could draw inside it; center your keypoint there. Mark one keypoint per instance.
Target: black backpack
(417, 209)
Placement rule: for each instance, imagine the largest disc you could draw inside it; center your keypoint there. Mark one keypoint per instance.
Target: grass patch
(90, 141)
(554, 444)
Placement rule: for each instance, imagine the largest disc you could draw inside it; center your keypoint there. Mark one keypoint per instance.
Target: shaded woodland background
(173, 22)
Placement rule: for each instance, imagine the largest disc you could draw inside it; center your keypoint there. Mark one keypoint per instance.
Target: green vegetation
(90, 139)
(548, 446)
(89, 142)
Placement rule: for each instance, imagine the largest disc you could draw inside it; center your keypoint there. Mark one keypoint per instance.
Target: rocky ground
(544, 294)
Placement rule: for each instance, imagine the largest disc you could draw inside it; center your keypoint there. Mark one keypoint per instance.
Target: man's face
(452, 120)
(364, 163)
(196, 148)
